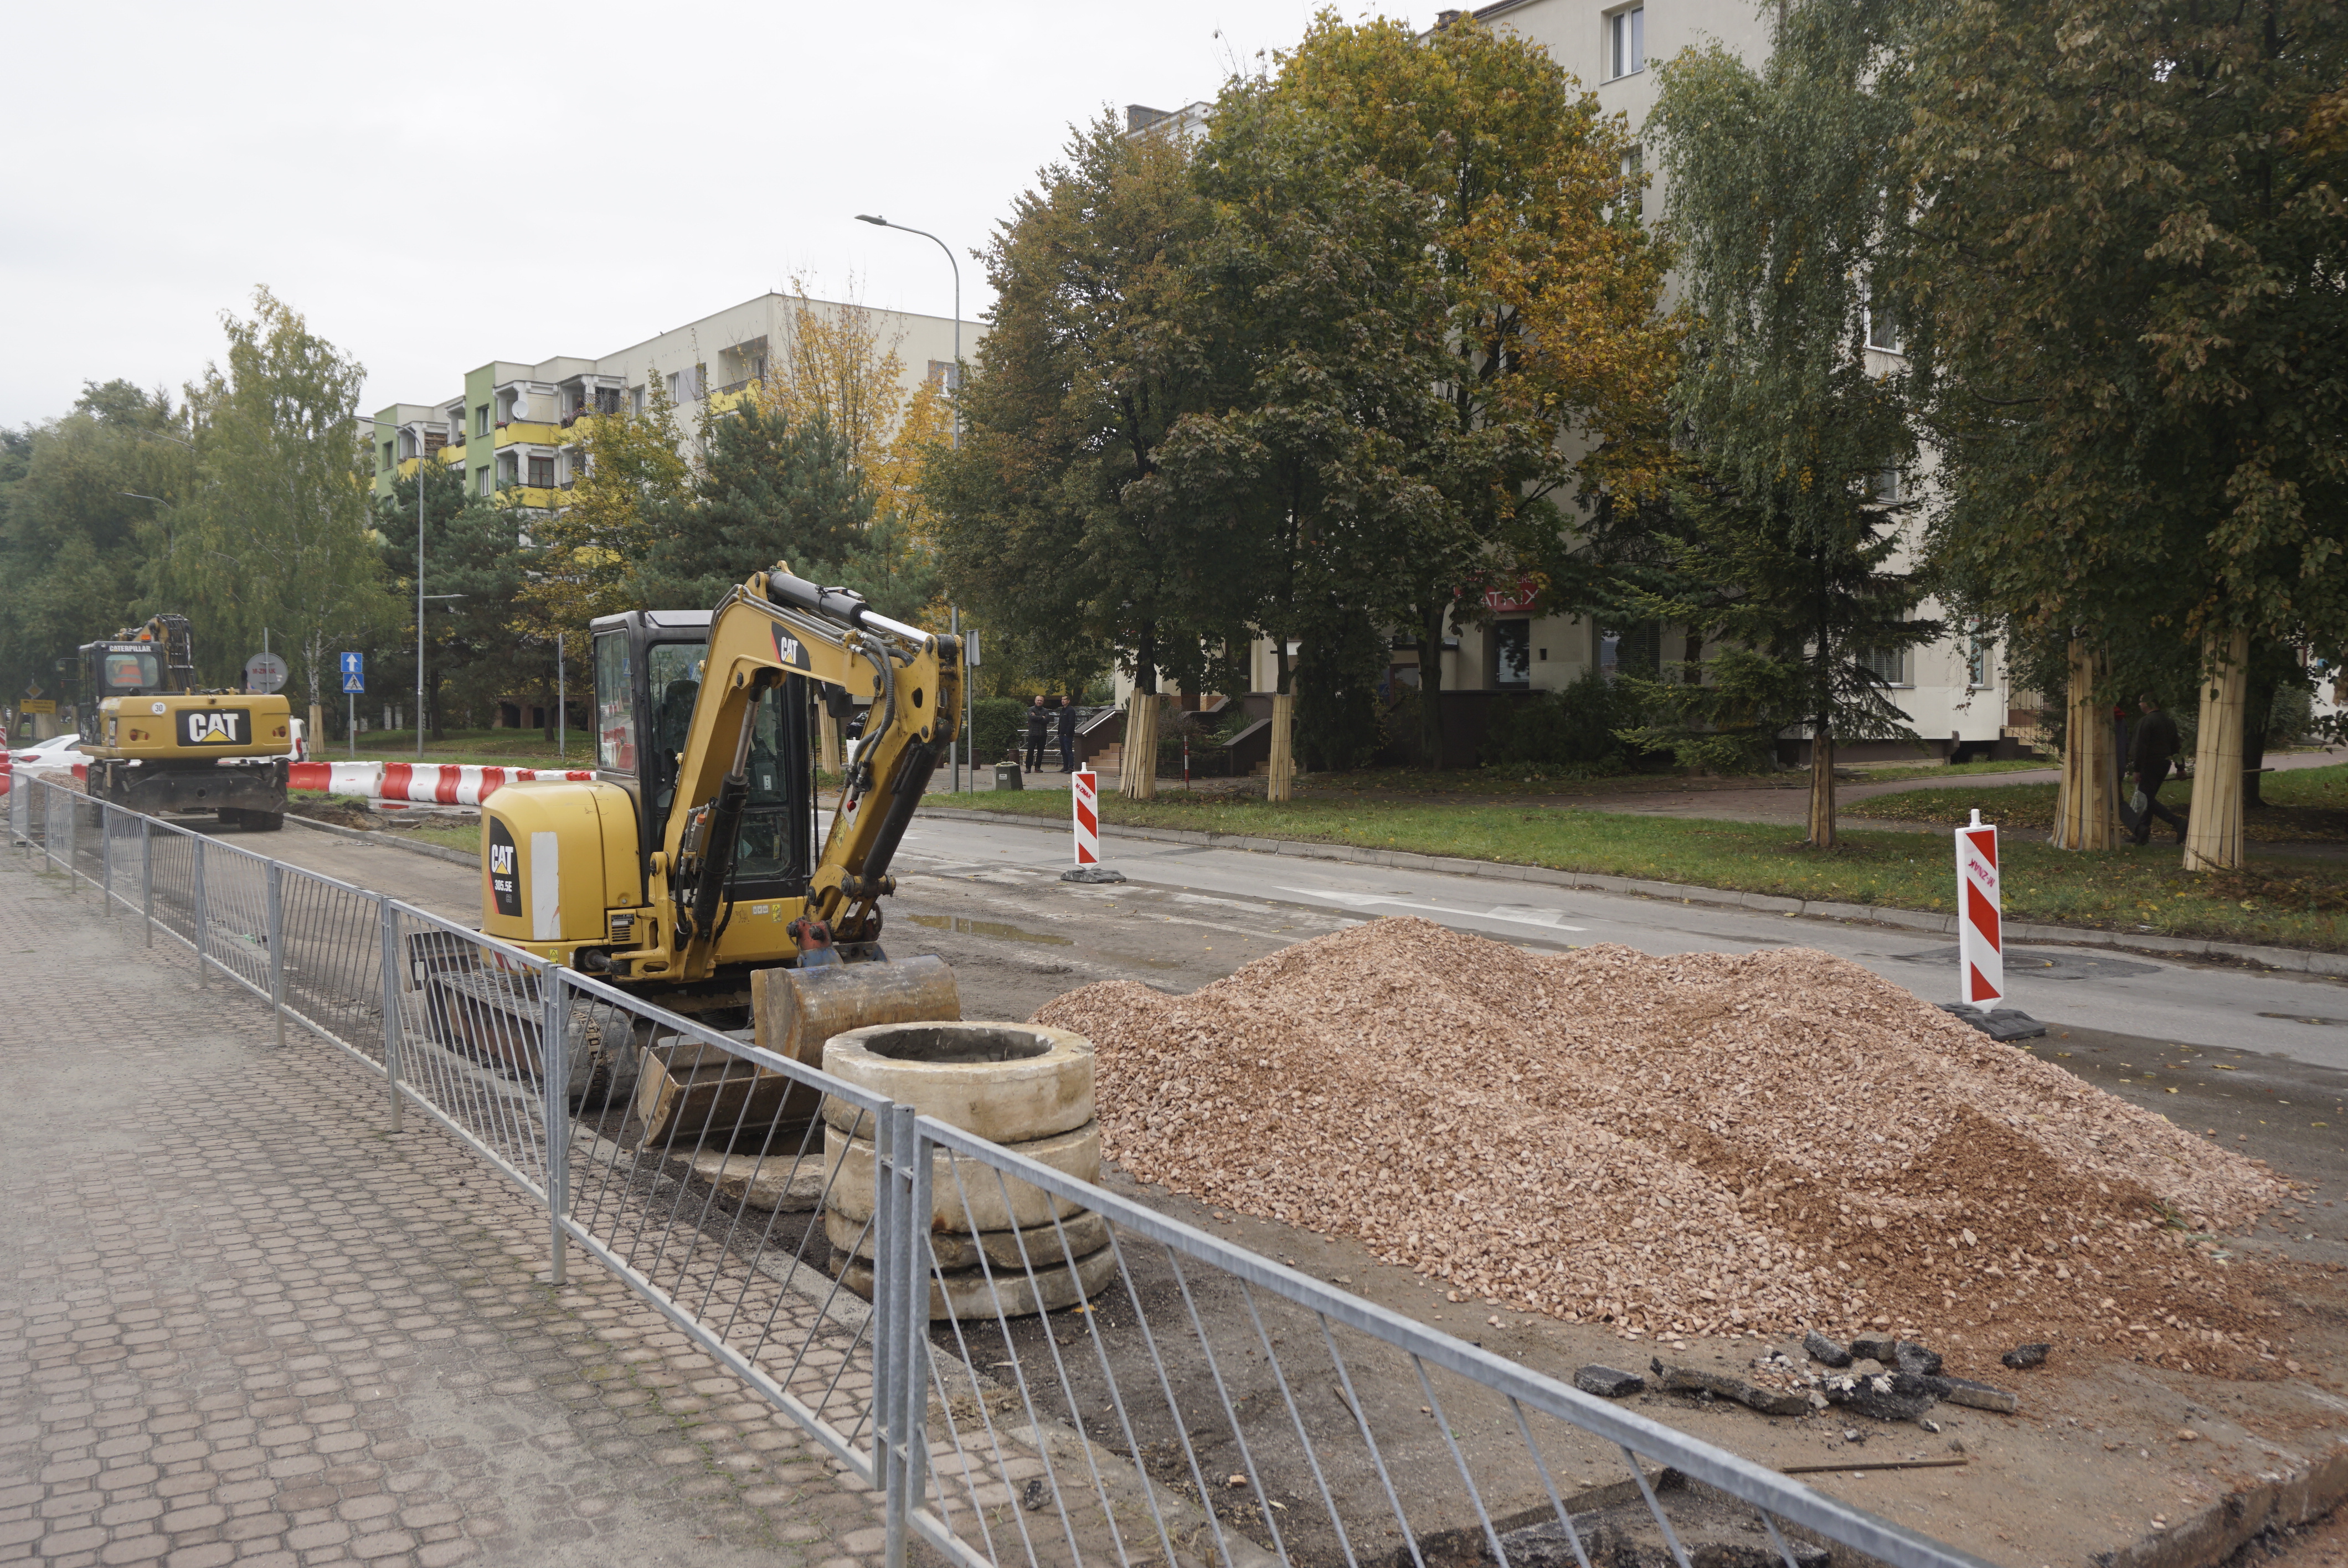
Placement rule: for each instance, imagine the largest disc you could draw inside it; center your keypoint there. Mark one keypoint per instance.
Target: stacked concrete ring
(999, 1243)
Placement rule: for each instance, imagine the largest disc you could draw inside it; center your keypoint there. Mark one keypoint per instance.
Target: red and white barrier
(1980, 934)
(430, 784)
(1083, 796)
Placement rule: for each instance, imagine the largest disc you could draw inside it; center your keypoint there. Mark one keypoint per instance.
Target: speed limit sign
(265, 673)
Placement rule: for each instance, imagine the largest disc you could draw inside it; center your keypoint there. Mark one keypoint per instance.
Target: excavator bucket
(692, 1096)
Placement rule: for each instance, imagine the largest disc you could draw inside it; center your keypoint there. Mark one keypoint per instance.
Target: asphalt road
(2301, 1018)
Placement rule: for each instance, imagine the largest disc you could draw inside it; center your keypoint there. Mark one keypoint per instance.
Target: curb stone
(2303, 960)
(438, 851)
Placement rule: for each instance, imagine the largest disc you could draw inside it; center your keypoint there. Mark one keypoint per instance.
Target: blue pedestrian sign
(354, 672)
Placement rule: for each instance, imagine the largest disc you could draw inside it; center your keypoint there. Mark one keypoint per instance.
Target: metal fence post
(893, 1326)
(196, 842)
(147, 878)
(105, 858)
(277, 946)
(391, 1007)
(916, 1404)
(555, 1068)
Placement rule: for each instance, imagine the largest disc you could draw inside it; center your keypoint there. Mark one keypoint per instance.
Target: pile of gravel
(1699, 1145)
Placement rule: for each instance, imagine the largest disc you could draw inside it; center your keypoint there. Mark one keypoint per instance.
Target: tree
(1048, 520)
(1785, 230)
(1560, 353)
(769, 489)
(281, 534)
(1803, 635)
(475, 561)
(584, 558)
(842, 371)
(1323, 300)
(2130, 238)
(74, 548)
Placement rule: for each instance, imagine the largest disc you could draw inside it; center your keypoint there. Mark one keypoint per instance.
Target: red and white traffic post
(1084, 799)
(1981, 936)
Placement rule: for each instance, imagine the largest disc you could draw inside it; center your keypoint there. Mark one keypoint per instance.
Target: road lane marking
(1516, 914)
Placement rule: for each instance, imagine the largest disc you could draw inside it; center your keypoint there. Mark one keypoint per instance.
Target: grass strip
(2303, 805)
(2294, 905)
(483, 748)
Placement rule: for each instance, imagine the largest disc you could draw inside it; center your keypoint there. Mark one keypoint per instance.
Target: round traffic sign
(264, 672)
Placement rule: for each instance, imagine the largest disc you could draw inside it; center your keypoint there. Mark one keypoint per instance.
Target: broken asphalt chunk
(1825, 1351)
(2022, 1358)
(1769, 1401)
(1608, 1383)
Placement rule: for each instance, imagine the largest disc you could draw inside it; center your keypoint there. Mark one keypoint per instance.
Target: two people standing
(1046, 716)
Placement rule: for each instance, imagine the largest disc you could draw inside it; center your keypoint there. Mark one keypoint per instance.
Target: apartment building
(515, 427)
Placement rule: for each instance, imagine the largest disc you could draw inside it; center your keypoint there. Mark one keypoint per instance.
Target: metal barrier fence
(1078, 1378)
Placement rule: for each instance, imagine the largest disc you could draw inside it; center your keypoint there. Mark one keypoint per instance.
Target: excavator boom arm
(774, 625)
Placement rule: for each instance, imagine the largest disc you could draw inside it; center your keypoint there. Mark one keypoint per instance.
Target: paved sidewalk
(242, 1323)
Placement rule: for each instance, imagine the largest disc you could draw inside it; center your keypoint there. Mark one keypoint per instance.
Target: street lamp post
(419, 582)
(880, 223)
(953, 436)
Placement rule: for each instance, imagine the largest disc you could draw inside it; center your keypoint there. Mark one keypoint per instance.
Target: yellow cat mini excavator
(157, 743)
(689, 870)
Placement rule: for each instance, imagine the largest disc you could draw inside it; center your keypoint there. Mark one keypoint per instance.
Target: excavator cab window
(648, 675)
(673, 671)
(121, 669)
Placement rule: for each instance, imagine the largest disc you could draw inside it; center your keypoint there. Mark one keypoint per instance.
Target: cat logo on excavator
(214, 726)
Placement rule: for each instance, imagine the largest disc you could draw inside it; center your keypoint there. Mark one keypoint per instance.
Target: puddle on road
(967, 926)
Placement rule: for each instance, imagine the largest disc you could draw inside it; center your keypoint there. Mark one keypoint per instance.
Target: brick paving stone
(243, 1324)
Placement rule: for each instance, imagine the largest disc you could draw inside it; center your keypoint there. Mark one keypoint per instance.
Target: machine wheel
(264, 821)
(230, 817)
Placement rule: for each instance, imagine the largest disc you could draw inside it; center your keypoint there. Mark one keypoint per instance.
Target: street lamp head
(869, 218)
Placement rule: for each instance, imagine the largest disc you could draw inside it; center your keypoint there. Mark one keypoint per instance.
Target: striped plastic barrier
(432, 783)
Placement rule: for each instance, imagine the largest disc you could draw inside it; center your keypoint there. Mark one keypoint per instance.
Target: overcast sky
(437, 186)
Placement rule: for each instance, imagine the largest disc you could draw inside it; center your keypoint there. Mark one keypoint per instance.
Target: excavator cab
(649, 670)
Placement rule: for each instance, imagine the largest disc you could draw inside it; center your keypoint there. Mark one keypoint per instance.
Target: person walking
(2156, 743)
(1039, 728)
(1067, 735)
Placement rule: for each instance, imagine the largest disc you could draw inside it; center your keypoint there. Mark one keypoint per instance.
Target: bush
(998, 728)
(1572, 729)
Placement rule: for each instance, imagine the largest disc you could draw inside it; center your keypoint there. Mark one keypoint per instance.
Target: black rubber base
(1998, 1023)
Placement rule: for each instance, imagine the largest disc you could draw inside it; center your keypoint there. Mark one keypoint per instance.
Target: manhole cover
(2046, 964)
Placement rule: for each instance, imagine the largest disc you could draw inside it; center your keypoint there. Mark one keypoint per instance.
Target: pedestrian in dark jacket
(1039, 730)
(2156, 743)
(1067, 735)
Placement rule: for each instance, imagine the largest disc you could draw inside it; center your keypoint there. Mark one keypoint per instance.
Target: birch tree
(281, 513)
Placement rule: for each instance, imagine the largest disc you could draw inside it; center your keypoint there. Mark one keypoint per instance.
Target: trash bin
(1006, 776)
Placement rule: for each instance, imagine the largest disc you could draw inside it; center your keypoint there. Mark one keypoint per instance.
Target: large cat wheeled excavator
(689, 869)
(158, 742)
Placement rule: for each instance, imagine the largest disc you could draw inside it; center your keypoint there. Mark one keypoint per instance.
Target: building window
(635, 400)
(1882, 327)
(607, 400)
(541, 473)
(1626, 42)
(1888, 666)
(485, 485)
(1512, 650)
(1977, 656)
(684, 386)
(481, 424)
(1885, 486)
(385, 463)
